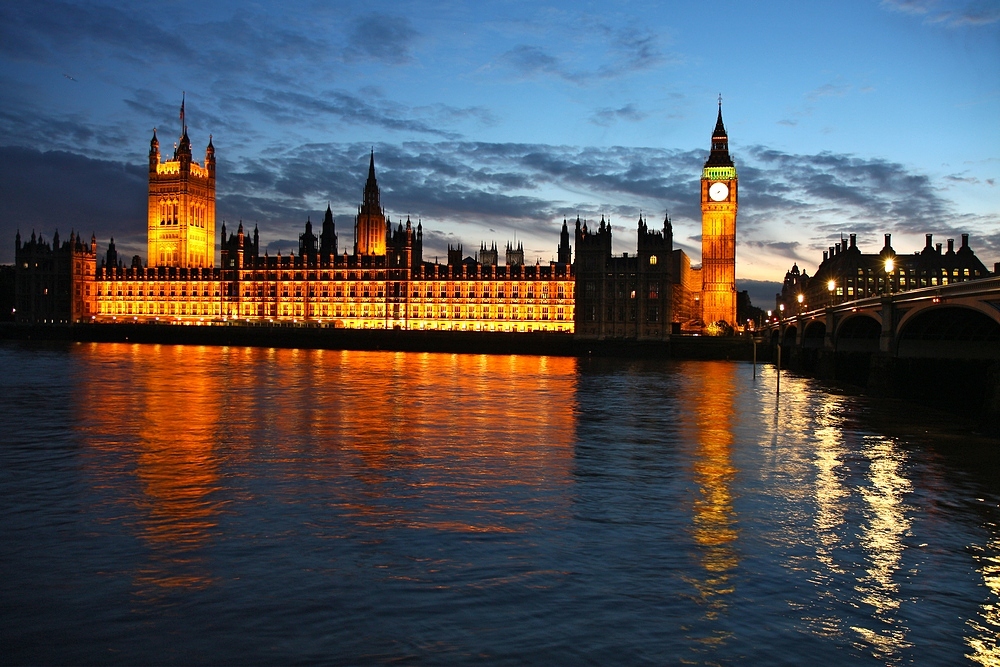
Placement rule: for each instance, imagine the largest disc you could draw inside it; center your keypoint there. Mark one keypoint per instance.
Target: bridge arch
(858, 332)
(790, 335)
(814, 334)
(949, 331)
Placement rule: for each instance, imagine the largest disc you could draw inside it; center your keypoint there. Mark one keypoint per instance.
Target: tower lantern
(181, 209)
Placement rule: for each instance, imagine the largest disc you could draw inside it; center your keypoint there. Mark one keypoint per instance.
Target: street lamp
(831, 286)
(781, 308)
(889, 266)
(800, 298)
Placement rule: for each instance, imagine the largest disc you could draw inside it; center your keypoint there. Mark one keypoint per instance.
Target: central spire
(371, 197)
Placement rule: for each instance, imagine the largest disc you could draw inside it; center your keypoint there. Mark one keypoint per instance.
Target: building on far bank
(54, 283)
(847, 274)
(385, 282)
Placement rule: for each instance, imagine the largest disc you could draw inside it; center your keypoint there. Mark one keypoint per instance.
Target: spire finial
(720, 100)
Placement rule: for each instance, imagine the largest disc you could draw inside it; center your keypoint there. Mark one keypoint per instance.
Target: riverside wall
(474, 342)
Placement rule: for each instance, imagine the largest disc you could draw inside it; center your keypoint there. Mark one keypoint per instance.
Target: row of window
(170, 210)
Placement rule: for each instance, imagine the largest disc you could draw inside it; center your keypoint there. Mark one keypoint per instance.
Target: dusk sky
(493, 122)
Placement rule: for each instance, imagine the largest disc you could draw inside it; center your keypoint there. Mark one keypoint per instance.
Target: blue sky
(495, 122)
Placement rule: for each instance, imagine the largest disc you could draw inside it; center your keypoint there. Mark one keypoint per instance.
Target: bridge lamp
(889, 266)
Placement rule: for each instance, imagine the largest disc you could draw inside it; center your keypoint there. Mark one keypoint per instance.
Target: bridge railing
(966, 288)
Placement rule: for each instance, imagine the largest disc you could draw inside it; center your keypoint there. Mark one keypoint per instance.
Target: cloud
(828, 90)
(761, 291)
(51, 190)
(792, 206)
(607, 115)
(528, 60)
(950, 13)
(621, 52)
(386, 39)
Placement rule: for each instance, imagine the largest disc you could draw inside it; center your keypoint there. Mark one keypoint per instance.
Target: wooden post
(777, 389)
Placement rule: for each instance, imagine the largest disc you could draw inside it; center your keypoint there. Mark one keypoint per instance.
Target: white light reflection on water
(886, 522)
(985, 643)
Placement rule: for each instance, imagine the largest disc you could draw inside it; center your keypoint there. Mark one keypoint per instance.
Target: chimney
(965, 240)
(826, 255)
(854, 240)
(951, 246)
(928, 246)
(888, 238)
(938, 248)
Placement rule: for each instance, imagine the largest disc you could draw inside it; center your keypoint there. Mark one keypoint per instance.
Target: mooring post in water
(754, 358)
(777, 388)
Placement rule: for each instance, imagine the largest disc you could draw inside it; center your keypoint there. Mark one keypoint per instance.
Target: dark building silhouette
(847, 274)
(54, 283)
(623, 296)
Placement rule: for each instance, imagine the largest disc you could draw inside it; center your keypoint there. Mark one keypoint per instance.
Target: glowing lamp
(831, 285)
(889, 265)
(800, 298)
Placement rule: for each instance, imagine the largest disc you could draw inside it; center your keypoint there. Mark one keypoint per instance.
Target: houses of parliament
(384, 282)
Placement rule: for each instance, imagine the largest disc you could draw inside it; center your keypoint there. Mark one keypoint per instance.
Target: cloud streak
(460, 189)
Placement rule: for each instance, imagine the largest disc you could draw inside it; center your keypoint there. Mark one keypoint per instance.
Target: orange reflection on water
(379, 439)
(158, 406)
(416, 424)
(710, 399)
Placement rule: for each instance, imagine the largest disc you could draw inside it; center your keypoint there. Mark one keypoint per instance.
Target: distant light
(800, 298)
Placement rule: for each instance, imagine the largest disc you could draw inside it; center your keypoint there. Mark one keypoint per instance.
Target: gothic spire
(371, 199)
(719, 157)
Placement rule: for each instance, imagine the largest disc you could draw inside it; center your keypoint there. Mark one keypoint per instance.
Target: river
(212, 505)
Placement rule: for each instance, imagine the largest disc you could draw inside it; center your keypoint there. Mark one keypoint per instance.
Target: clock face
(718, 191)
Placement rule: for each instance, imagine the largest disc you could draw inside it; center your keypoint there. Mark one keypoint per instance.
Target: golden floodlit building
(385, 282)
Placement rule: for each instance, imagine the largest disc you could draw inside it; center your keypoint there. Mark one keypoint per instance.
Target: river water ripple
(197, 505)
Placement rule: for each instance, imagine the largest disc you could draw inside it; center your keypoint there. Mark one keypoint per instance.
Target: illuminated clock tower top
(719, 165)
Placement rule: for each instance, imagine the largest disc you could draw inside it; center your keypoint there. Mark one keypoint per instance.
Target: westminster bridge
(938, 345)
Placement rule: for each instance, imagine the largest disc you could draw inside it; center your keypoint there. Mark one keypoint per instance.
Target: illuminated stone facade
(385, 284)
(719, 199)
(181, 219)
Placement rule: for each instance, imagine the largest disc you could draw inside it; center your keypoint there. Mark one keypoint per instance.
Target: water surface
(186, 505)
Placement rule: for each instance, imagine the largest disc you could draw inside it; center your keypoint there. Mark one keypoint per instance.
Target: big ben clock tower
(718, 230)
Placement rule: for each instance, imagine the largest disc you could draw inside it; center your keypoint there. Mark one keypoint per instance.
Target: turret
(210, 157)
(565, 253)
(183, 154)
(328, 236)
(154, 153)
